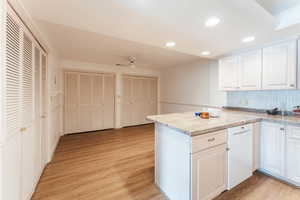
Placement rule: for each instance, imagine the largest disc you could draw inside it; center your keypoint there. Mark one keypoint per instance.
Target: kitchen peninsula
(197, 159)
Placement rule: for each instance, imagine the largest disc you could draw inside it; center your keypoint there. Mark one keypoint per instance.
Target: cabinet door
(228, 73)
(293, 152)
(256, 146)
(209, 169)
(279, 66)
(272, 148)
(250, 70)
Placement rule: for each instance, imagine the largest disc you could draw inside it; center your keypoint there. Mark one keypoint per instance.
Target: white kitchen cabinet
(292, 154)
(229, 73)
(273, 148)
(280, 66)
(209, 173)
(250, 70)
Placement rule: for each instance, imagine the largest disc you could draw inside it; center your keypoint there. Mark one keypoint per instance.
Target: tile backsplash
(286, 99)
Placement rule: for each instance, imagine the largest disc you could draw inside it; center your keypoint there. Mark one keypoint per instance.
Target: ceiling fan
(131, 63)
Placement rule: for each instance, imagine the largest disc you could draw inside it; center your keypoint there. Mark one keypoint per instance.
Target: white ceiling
(150, 24)
(79, 45)
(277, 6)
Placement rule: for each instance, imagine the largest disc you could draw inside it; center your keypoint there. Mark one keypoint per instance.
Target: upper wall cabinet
(250, 70)
(228, 73)
(279, 66)
(270, 68)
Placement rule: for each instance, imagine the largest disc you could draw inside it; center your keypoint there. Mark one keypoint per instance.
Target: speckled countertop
(191, 125)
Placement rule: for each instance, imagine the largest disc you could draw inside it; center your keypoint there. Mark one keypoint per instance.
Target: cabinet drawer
(208, 140)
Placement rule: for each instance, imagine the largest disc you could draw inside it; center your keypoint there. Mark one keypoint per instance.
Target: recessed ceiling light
(213, 21)
(248, 39)
(170, 44)
(206, 53)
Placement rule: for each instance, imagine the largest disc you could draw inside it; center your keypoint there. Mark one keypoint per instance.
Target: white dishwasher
(240, 154)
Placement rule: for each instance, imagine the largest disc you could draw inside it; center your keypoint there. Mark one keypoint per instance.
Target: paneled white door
(109, 101)
(139, 99)
(89, 102)
(71, 112)
(85, 102)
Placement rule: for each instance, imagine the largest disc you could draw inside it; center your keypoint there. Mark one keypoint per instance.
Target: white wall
(55, 108)
(68, 65)
(191, 87)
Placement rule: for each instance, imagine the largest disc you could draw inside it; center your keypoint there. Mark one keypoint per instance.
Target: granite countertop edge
(255, 119)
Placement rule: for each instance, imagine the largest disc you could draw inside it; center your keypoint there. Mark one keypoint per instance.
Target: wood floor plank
(119, 165)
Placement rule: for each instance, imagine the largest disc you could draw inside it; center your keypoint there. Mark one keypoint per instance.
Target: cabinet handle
(292, 85)
(282, 129)
(211, 139)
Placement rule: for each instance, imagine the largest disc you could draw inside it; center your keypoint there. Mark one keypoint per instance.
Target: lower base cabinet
(293, 154)
(272, 148)
(209, 173)
(280, 150)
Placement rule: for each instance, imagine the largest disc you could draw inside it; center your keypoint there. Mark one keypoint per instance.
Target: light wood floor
(119, 165)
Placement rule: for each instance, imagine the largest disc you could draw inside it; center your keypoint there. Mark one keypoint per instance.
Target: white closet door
(12, 149)
(127, 103)
(28, 136)
(145, 100)
(85, 102)
(44, 109)
(98, 104)
(153, 97)
(13, 76)
(89, 102)
(137, 97)
(139, 100)
(71, 103)
(109, 101)
(37, 113)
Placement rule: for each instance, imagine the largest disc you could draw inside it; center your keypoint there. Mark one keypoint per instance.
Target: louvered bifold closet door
(12, 148)
(13, 76)
(44, 113)
(37, 111)
(71, 121)
(28, 135)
